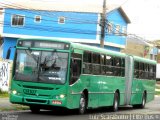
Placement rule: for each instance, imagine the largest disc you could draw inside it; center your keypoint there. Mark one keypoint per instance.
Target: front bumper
(33, 100)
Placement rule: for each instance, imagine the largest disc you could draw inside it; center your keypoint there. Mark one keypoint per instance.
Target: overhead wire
(49, 20)
(42, 12)
(59, 29)
(52, 29)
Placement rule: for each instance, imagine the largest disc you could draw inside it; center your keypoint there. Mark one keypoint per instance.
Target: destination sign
(43, 44)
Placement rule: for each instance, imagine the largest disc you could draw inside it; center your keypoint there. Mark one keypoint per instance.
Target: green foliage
(14, 107)
(157, 93)
(158, 88)
(3, 94)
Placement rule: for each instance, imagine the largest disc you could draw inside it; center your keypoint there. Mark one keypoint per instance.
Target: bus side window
(96, 64)
(103, 67)
(109, 65)
(87, 65)
(117, 69)
(146, 71)
(136, 69)
(122, 67)
(141, 70)
(151, 72)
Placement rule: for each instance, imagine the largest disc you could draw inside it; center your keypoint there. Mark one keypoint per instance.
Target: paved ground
(151, 112)
(154, 105)
(4, 102)
(5, 105)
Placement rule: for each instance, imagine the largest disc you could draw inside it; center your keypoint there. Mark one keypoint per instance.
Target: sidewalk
(5, 105)
(157, 90)
(4, 102)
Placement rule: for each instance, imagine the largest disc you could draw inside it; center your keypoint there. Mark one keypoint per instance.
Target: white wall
(5, 74)
(1, 51)
(158, 71)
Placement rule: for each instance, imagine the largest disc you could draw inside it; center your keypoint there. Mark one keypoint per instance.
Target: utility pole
(103, 24)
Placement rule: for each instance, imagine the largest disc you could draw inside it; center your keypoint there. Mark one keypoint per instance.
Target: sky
(145, 18)
(144, 14)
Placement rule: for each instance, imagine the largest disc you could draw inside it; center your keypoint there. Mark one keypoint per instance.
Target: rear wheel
(34, 109)
(115, 102)
(142, 105)
(82, 104)
(143, 101)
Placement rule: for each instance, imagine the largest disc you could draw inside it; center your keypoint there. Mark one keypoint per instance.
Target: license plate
(30, 92)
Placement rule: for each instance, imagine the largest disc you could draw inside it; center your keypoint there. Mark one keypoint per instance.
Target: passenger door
(75, 80)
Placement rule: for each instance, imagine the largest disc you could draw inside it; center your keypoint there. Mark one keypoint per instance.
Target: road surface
(151, 112)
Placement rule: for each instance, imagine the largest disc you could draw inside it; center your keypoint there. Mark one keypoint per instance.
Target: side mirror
(9, 52)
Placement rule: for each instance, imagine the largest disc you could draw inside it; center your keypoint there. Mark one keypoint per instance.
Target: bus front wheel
(82, 104)
(34, 109)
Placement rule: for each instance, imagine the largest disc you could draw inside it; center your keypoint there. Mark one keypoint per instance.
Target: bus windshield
(41, 66)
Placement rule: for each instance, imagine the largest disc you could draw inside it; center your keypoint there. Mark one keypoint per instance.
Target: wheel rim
(143, 102)
(115, 103)
(82, 105)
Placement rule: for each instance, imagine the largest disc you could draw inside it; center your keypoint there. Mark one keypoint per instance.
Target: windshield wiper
(32, 56)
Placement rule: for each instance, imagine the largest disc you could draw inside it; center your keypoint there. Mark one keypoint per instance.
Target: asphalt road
(151, 112)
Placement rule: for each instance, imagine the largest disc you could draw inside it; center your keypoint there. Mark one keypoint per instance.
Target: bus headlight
(59, 96)
(62, 96)
(14, 92)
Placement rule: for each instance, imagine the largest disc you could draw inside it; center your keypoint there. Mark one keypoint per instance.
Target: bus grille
(38, 87)
(36, 101)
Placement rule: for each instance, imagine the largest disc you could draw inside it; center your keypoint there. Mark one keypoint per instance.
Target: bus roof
(144, 60)
(109, 52)
(82, 47)
(95, 49)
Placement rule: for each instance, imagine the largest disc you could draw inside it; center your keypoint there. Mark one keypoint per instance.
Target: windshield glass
(41, 66)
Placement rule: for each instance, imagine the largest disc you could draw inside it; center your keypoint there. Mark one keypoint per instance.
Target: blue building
(77, 26)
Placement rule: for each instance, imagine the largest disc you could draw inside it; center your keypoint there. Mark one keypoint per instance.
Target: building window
(155, 57)
(61, 20)
(151, 56)
(117, 29)
(110, 28)
(17, 20)
(37, 19)
(124, 30)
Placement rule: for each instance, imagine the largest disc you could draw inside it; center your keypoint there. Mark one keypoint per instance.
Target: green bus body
(99, 89)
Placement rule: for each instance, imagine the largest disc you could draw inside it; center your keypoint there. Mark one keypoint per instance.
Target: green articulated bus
(50, 74)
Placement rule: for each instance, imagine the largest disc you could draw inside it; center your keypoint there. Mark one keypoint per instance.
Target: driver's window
(75, 68)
